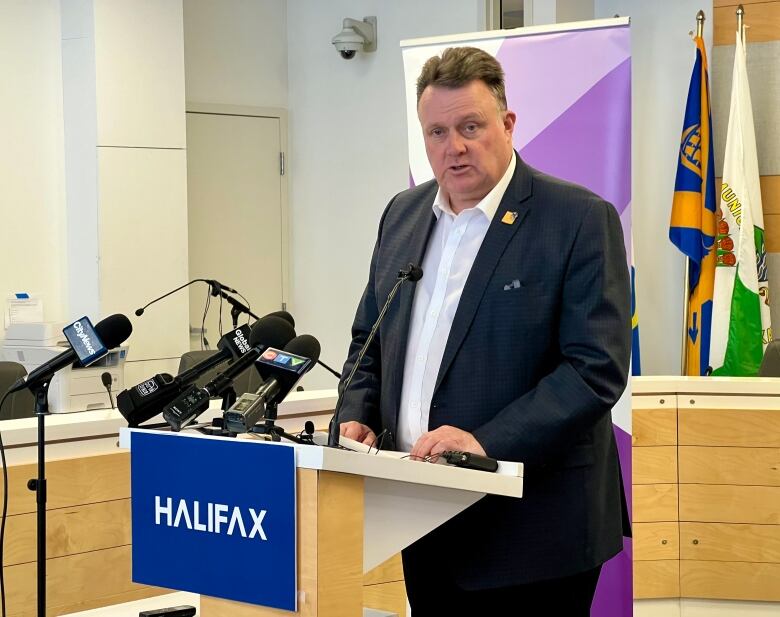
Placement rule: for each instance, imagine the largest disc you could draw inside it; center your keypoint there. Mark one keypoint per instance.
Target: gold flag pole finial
(700, 24)
(741, 22)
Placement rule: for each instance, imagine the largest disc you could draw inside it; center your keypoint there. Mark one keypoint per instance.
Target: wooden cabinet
(706, 482)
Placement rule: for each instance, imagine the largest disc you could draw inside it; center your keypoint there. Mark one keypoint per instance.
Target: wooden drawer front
(390, 597)
(654, 427)
(745, 466)
(750, 428)
(657, 579)
(654, 502)
(730, 542)
(69, 531)
(654, 541)
(729, 580)
(716, 503)
(73, 581)
(70, 482)
(654, 465)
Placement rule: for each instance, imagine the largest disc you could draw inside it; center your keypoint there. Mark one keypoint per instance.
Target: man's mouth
(458, 167)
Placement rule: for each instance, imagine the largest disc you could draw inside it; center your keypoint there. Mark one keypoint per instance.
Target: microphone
(145, 400)
(412, 273)
(107, 381)
(107, 334)
(194, 401)
(215, 285)
(281, 371)
(288, 317)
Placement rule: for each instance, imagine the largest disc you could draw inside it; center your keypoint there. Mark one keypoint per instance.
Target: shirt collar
(489, 203)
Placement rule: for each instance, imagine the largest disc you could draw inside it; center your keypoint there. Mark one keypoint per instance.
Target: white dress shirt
(452, 248)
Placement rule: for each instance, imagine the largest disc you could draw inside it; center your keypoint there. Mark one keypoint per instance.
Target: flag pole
(686, 291)
(741, 22)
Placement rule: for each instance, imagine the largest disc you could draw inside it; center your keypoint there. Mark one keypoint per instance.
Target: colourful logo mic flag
(741, 326)
(692, 226)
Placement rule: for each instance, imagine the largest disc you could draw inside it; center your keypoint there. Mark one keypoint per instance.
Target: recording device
(281, 371)
(215, 285)
(87, 344)
(194, 401)
(172, 611)
(143, 401)
(411, 273)
(469, 460)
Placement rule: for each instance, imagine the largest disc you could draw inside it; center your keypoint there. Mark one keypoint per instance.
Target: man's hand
(358, 432)
(445, 438)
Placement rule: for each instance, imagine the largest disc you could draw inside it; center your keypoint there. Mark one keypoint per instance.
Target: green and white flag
(741, 326)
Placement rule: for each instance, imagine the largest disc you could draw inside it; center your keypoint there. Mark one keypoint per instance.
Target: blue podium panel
(215, 517)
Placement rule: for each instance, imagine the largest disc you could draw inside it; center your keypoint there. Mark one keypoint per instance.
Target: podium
(352, 511)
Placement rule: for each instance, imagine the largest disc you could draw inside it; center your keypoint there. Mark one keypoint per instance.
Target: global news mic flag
(692, 227)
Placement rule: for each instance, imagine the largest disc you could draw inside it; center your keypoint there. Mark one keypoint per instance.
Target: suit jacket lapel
(493, 246)
(422, 226)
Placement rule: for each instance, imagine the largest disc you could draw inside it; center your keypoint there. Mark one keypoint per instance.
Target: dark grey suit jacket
(532, 369)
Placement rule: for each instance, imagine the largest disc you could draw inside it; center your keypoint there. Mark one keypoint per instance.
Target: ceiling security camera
(355, 36)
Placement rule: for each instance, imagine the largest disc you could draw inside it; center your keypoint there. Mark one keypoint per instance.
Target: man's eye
(437, 132)
(470, 128)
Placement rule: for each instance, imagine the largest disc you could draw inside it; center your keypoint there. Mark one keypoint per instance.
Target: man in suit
(514, 344)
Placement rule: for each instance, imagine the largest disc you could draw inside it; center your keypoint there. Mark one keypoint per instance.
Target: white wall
(32, 231)
(235, 52)
(348, 153)
(662, 60)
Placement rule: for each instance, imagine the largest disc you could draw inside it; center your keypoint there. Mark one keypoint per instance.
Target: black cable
(220, 315)
(4, 515)
(203, 321)
(248, 306)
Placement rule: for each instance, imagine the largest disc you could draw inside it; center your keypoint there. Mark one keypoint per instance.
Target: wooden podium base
(330, 551)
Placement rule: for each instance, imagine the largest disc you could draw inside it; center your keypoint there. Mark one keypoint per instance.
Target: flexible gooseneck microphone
(411, 273)
(215, 285)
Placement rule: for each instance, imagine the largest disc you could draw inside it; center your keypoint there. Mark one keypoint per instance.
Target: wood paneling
(654, 465)
(74, 481)
(340, 542)
(730, 542)
(655, 502)
(730, 580)
(734, 4)
(751, 428)
(654, 427)
(657, 579)
(770, 203)
(654, 541)
(762, 19)
(77, 529)
(716, 503)
(745, 466)
(389, 571)
(389, 597)
(772, 232)
(71, 579)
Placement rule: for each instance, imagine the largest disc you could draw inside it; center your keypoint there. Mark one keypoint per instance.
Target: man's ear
(509, 121)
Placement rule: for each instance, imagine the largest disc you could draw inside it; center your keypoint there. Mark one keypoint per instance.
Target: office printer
(71, 389)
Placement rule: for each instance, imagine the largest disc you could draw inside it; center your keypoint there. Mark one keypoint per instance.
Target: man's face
(467, 138)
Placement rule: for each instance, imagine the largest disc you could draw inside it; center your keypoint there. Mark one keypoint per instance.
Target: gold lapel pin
(509, 218)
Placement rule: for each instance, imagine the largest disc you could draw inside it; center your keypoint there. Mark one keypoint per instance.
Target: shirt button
(415, 404)
(419, 358)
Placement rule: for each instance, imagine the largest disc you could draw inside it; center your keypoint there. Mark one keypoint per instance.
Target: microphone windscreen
(139, 312)
(271, 331)
(106, 379)
(284, 315)
(415, 273)
(304, 345)
(113, 330)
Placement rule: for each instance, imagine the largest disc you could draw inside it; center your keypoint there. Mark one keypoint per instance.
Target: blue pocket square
(513, 285)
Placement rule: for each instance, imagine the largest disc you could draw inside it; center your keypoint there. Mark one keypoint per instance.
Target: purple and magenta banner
(570, 86)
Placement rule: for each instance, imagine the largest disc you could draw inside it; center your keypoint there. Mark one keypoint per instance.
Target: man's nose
(456, 144)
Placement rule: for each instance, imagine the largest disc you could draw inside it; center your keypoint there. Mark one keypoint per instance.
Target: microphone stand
(38, 486)
(270, 428)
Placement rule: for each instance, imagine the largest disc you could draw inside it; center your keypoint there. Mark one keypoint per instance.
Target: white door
(234, 214)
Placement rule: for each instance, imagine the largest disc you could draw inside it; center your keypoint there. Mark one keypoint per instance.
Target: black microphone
(111, 332)
(411, 273)
(281, 371)
(145, 400)
(215, 285)
(194, 401)
(107, 381)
